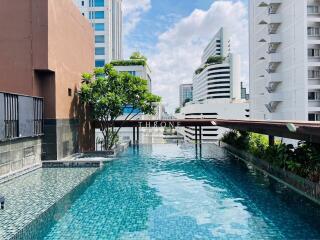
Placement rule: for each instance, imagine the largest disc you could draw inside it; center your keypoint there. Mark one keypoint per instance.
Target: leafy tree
(137, 55)
(108, 93)
(178, 110)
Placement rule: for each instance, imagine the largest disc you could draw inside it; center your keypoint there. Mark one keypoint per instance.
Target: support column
(271, 140)
(138, 135)
(134, 135)
(196, 134)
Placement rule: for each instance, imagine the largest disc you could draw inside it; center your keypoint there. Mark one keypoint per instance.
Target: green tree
(108, 93)
(137, 55)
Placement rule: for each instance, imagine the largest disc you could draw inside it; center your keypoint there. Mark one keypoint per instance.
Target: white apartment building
(141, 71)
(285, 59)
(216, 90)
(106, 19)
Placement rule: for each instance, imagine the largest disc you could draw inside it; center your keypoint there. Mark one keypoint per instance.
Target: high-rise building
(216, 90)
(218, 46)
(285, 59)
(220, 77)
(185, 94)
(106, 19)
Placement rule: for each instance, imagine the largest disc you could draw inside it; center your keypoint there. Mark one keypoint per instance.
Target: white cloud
(180, 48)
(132, 12)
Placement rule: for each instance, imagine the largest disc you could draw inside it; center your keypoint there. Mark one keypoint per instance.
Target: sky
(172, 34)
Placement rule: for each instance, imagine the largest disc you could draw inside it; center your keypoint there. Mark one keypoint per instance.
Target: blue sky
(161, 16)
(173, 33)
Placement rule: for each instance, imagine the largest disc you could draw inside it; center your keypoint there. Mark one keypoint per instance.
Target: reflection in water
(164, 192)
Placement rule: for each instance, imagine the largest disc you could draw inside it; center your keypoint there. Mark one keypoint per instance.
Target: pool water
(167, 192)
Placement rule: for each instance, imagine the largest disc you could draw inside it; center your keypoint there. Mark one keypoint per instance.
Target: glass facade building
(106, 19)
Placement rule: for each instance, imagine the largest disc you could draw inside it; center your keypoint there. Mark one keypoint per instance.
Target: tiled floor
(33, 193)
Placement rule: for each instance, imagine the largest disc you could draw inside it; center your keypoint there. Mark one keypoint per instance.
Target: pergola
(299, 130)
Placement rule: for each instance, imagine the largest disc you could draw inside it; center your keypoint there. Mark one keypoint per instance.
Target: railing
(22, 117)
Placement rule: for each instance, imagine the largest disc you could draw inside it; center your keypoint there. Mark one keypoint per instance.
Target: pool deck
(32, 194)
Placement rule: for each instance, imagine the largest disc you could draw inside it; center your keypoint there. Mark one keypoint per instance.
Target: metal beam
(308, 131)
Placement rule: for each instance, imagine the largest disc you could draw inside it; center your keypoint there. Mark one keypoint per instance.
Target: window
(96, 3)
(314, 116)
(96, 15)
(82, 3)
(314, 52)
(99, 39)
(38, 116)
(69, 92)
(100, 63)
(314, 96)
(99, 51)
(11, 116)
(98, 26)
(313, 74)
(312, 9)
(313, 31)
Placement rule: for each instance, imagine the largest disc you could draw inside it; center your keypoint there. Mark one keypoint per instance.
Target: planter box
(303, 186)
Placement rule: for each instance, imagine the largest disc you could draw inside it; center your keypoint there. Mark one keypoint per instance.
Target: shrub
(215, 60)
(132, 62)
(199, 70)
(304, 160)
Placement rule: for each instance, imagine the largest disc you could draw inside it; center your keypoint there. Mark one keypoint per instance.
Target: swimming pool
(166, 192)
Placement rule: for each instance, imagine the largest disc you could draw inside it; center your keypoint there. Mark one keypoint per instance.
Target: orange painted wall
(44, 49)
(70, 52)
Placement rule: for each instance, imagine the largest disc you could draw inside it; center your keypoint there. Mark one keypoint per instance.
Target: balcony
(272, 67)
(263, 4)
(273, 28)
(272, 106)
(272, 81)
(273, 46)
(273, 7)
(272, 86)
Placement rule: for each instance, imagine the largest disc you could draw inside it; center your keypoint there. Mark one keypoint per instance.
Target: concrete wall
(19, 154)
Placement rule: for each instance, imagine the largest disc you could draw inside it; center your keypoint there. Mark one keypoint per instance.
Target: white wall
(212, 109)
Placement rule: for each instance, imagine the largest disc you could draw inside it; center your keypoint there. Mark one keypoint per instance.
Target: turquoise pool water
(166, 192)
